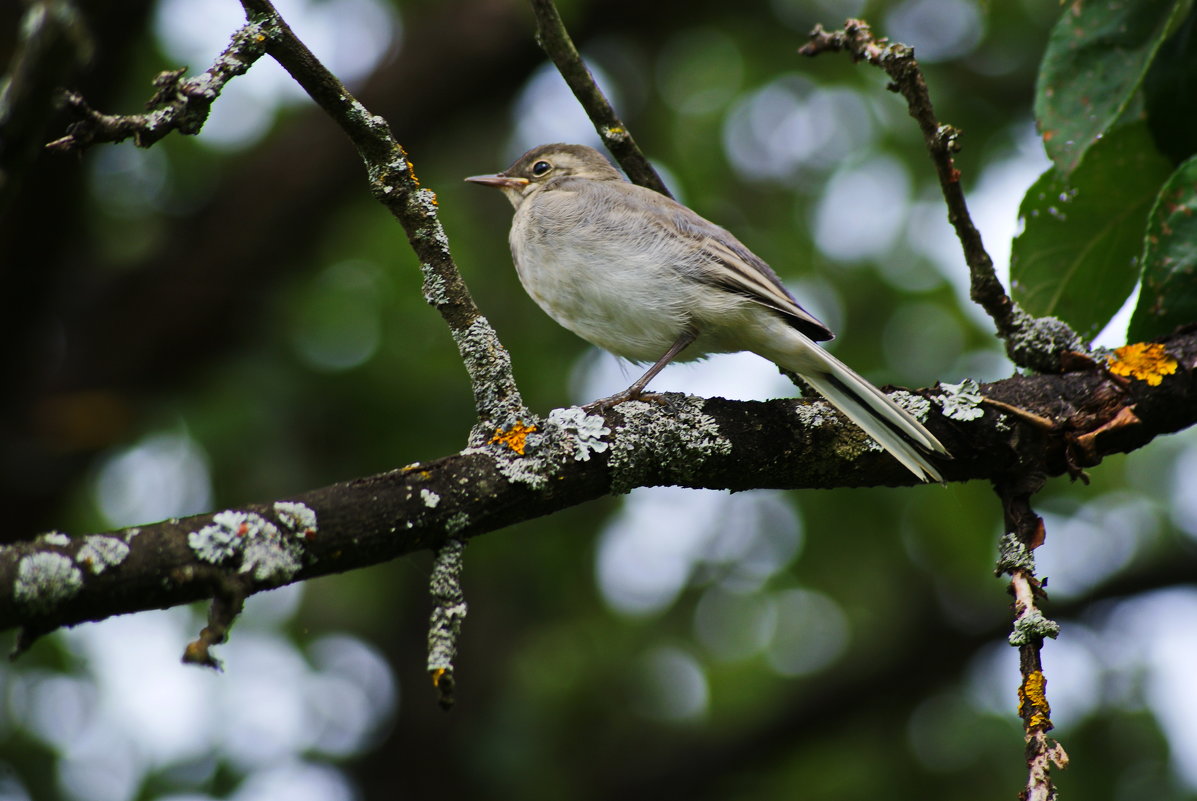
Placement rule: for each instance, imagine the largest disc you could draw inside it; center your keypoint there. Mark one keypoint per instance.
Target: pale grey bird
(644, 277)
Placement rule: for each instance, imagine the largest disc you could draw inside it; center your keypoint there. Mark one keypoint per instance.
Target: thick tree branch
(1037, 343)
(571, 458)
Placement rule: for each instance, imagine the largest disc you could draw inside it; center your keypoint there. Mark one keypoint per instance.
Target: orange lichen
(515, 438)
(437, 675)
(1032, 702)
(1145, 361)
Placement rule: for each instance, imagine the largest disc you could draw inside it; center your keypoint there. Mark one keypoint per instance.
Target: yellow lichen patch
(515, 438)
(1032, 702)
(1145, 361)
(437, 675)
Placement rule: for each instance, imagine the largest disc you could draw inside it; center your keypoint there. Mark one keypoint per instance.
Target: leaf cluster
(1115, 212)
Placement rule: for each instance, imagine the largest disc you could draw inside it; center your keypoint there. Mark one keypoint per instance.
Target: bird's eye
(541, 167)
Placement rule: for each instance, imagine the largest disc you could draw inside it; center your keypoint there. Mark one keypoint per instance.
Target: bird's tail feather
(889, 424)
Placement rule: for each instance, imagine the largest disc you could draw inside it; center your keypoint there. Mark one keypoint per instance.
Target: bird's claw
(606, 404)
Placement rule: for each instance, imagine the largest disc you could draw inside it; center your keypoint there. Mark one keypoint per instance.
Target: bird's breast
(600, 277)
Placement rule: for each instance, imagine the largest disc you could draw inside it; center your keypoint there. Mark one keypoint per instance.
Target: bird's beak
(499, 180)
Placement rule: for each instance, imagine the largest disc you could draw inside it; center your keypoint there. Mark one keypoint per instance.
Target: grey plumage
(646, 278)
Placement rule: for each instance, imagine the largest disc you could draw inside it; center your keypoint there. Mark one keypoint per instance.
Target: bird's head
(534, 170)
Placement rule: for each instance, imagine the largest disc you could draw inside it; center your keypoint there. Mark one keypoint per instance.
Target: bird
(648, 279)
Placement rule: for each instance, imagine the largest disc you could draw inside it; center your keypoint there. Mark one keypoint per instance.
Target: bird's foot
(605, 404)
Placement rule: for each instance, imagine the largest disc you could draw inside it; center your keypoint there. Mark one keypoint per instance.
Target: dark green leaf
(1077, 257)
(1169, 90)
(1169, 294)
(1096, 59)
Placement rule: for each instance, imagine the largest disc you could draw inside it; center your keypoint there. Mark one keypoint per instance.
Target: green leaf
(1169, 89)
(1077, 256)
(1096, 58)
(1169, 294)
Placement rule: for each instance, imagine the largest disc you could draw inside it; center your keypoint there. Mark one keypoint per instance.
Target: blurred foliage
(226, 319)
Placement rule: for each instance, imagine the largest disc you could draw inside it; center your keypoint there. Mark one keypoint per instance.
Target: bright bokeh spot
(675, 685)
(546, 111)
(790, 126)
(699, 71)
(939, 30)
(863, 210)
(663, 535)
(351, 37)
(164, 475)
(336, 324)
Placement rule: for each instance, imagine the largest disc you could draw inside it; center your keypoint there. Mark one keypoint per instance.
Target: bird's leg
(636, 391)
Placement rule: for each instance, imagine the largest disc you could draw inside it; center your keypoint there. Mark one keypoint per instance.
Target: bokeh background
(231, 317)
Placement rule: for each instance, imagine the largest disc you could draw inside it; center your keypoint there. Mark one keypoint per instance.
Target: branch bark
(1037, 343)
(569, 458)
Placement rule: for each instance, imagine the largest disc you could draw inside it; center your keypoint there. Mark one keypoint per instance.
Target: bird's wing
(735, 268)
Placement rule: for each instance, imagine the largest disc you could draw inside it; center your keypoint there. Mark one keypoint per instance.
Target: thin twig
(228, 600)
(1024, 533)
(554, 39)
(448, 613)
(178, 104)
(1032, 342)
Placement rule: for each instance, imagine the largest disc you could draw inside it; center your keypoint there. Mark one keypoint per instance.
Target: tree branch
(184, 105)
(395, 185)
(1024, 533)
(57, 580)
(178, 104)
(554, 39)
(1037, 343)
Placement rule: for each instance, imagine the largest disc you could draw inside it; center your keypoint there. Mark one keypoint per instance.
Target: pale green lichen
(961, 401)
(449, 607)
(430, 498)
(456, 523)
(54, 538)
(545, 451)
(268, 556)
(265, 552)
(495, 393)
(217, 541)
(100, 553)
(435, 290)
(45, 579)
(297, 518)
(130, 533)
(666, 446)
(1013, 554)
(531, 468)
(918, 406)
(814, 413)
(1031, 627)
(586, 432)
(1038, 342)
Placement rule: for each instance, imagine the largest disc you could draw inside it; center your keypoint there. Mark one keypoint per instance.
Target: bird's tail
(889, 424)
